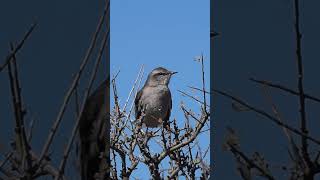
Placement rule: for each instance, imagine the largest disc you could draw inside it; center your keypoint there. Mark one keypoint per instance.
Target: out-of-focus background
(47, 63)
(257, 39)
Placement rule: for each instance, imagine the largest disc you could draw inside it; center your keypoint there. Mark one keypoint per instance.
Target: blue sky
(161, 33)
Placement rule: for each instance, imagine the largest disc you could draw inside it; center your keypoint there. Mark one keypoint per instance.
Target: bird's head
(159, 76)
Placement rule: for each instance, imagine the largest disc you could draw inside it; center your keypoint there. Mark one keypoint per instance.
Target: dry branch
(18, 47)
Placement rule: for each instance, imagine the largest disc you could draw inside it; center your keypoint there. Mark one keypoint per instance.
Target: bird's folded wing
(137, 104)
(166, 118)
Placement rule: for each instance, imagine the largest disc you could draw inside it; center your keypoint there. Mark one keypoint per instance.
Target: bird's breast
(156, 101)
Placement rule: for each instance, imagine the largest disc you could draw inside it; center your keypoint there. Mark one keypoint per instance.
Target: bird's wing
(137, 106)
(169, 108)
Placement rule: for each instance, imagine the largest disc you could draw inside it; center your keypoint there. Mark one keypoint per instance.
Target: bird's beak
(172, 72)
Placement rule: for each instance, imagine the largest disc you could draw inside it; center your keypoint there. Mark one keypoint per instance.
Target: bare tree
(168, 152)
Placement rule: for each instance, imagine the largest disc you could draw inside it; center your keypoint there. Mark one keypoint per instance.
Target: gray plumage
(154, 99)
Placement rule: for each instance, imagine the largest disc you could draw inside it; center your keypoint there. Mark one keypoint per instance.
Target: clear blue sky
(161, 33)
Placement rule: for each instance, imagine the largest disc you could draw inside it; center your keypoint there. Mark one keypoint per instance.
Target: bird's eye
(159, 74)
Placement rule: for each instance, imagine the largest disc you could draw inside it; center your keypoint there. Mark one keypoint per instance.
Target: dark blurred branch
(22, 143)
(46, 167)
(213, 34)
(6, 159)
(250, 162)
(18, 47)
(303, 120)
(275, 111)
(268, 116)
(277, 86)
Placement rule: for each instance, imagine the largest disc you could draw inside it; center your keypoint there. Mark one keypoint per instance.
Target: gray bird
(93, 131)
(153, 102)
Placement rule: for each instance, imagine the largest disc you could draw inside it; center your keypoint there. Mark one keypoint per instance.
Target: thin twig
(277, 86)
(203, 84)
(195, 88)
(203, 119)
(192, 98)
(21, 141)
(132, 89)
(303, 120)
(251, 162)
(18, 47)
(268, 116)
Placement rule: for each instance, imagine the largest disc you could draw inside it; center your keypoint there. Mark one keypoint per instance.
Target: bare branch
(268, 116)
(18, 47)
(277, 86)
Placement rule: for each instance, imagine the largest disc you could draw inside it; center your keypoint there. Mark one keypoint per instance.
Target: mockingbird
(153, 102)
(93, 132)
